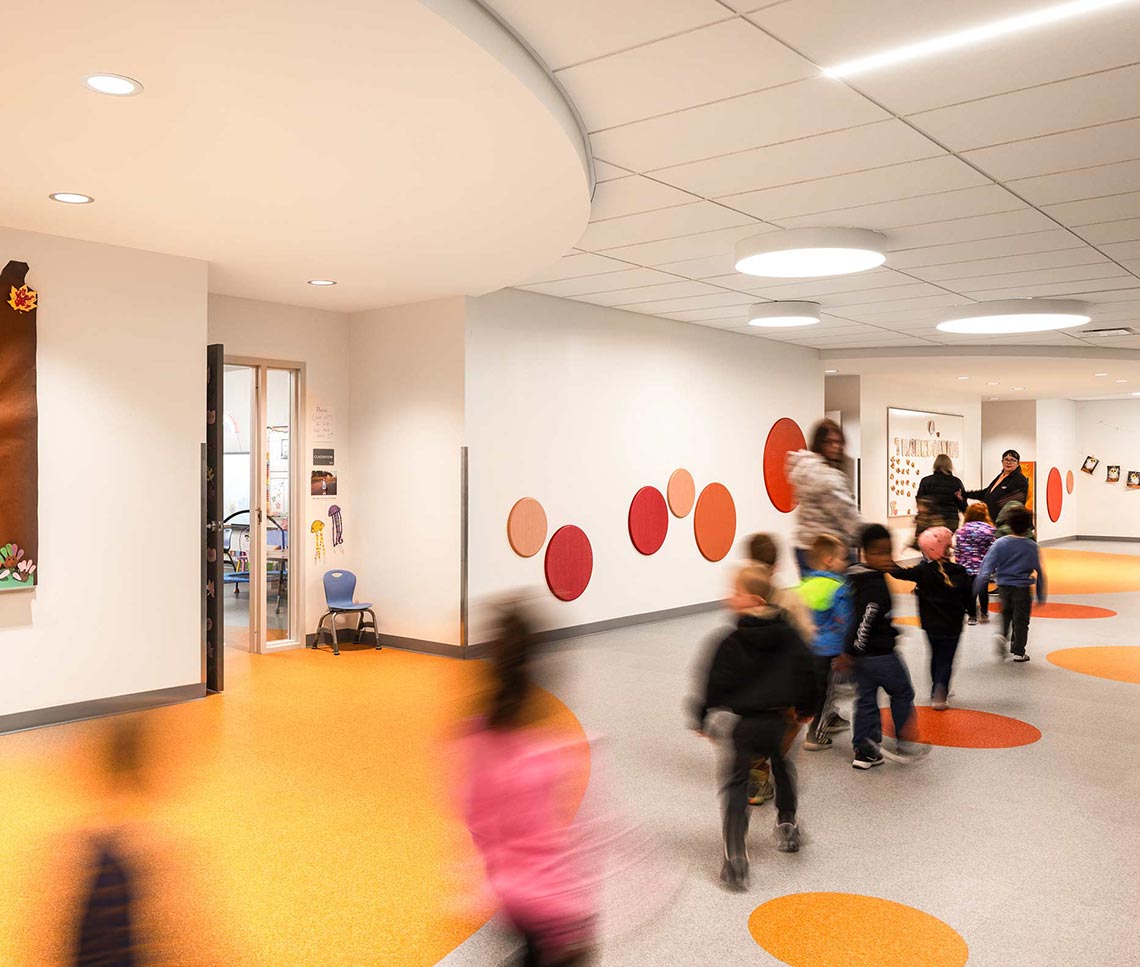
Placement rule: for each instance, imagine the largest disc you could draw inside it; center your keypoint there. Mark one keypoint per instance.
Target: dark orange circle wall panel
(784, 437)
(714, 522)
(648, 520)
(569, 562)
(1054, 494)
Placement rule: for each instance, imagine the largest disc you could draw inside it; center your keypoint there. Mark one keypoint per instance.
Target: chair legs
(320, 628)
(360, 628)
(362, 625)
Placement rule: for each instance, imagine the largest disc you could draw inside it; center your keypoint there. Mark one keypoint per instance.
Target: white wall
(1007, 425)
(406, 370)
(1110, 431)
(580, 406)
(1057, 447)
(122, 370)
(320, 341)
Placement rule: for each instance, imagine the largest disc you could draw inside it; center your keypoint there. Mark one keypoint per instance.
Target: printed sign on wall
(914, 439)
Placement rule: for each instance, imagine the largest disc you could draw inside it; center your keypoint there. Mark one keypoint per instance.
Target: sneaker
(984, 619)
(787, 837)
(837, 723)
(734, 875)
(817, 742)
(867, 759)
(1021, 657)
(760, 790)
(1001, 646)
(907, 752)
(938, 700)
(971, 621)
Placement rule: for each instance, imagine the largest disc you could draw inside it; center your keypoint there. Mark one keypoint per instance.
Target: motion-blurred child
(1015, 560)
(971, 544)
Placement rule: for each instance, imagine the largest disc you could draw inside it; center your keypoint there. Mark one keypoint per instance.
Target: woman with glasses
(1008, 485)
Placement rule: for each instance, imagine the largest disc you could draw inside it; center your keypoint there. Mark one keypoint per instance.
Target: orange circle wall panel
(1069, 481)
(1054, 494)
(714, 522)
(569, 563)
(682, 492)
(784, 437)
(648, 520)
(526, 527)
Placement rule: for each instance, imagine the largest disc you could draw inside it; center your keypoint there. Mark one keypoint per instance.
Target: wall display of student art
(19, 416)
(1133, 479)
(914, 439)
(1113, 475)
(1090, 464)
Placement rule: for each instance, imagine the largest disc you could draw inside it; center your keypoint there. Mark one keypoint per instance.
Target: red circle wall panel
(714, 522)
(1069, 481)
(648, 520)
(1054, 494)
(569, 562)
(784, 437)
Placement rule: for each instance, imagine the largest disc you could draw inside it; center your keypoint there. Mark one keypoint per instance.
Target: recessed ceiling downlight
(800, 253)
(783, 315)
(71, 198)
(321, 282)
(1015, 315)
(117, 85)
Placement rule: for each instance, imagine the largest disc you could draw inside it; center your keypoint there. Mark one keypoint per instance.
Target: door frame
(298, 494)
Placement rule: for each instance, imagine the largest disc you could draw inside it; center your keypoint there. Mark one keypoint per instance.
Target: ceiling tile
(1123, 250)
(574, 266)
(821, 156)
(628, 196)
(864, 310)
(948, 205)
(707, 303)
(703, 268)
(716, 62)
(568, 33)
(610, 281)
(700, 216)
(1115, 296)
(1074, 103)
(1122, 230)
(953, 231)
(1080, 287)
(766, 117)
(861, 188)
(698, 245)
(909, 295)
(948, 274)
(631, 298)
(1095, 210)
(1076, 273)
(604, 171)
(1104, 144)
(704, 315)
(985, 248)
(879, 278)
(1114, 179)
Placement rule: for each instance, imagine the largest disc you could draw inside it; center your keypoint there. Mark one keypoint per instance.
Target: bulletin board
(914, 439)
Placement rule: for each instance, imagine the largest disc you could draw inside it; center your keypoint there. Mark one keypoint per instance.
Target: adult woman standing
(827, 505)
(945, 493)
(1008, 485)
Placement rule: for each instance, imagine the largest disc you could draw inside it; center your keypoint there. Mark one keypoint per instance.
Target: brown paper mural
(19, 456)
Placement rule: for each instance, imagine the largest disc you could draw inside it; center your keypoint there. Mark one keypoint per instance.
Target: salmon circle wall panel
(682, 492)
(1054, 494)
(648, 520)
(526, 527)
(1069, 481)
(784, 437)
(714, 522)
(569, 563)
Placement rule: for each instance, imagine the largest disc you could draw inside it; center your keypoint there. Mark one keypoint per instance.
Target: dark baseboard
(419, 645)
(1097, 537)
(99, 707)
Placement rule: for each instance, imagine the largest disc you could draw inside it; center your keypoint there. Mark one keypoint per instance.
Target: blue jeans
(942, 651)
(888, 673)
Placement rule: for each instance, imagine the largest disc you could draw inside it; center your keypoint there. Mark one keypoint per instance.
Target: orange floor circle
(1051, 609)
(1090, 572)
(964, 728)
(1118, 663)
(850, 930)
(909, 620)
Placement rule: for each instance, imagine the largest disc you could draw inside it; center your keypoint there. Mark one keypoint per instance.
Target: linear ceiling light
(321, 282)
(1015, 315)
(117, 85)
(801, 253)
(972, 36)
(783, 315)
(71, 198)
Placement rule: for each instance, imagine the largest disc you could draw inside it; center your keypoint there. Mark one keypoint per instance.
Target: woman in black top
(944, 493)
(1008, 485)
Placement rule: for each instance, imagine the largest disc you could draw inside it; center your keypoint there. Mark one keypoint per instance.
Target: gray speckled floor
(1032, 854)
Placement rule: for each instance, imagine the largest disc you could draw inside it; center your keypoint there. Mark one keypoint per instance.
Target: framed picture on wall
(914, 439)
(1090, 464)
(1133, 478)
(1113, 475)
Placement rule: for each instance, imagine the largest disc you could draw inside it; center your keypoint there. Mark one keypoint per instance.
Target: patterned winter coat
(826, 503)
(972, 542)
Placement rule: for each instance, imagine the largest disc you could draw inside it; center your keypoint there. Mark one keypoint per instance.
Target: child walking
(971, 544)
(869, 646)
(1014, 559)
(826, 593)
(762, 672)
(944, 591)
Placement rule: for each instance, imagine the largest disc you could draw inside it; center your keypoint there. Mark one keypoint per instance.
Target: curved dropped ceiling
(407, 150)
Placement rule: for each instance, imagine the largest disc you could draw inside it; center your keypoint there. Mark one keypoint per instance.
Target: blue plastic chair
(339, 589)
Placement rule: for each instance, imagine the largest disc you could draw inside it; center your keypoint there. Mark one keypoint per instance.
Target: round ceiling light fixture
(321, 282)
(801, 253)
(1016, 315)
(783, 315)
(71, 198)
(117, 85)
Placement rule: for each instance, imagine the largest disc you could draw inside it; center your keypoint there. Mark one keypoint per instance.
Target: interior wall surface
(1007, 425)
(319, 339)
(841, 394)
(1057, 450)
(121, 388)
(1110, 431)
(406, 367)
(580, 406)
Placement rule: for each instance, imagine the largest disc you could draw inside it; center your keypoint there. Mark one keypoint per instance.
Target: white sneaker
(1001, 646)
(906, 752)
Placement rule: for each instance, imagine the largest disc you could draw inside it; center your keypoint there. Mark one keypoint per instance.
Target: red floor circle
(964, 728)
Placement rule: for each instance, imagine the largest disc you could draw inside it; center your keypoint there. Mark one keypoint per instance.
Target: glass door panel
(277, 475)
(239, 396)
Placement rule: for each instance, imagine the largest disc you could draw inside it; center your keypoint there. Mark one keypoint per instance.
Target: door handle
(213, 526)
